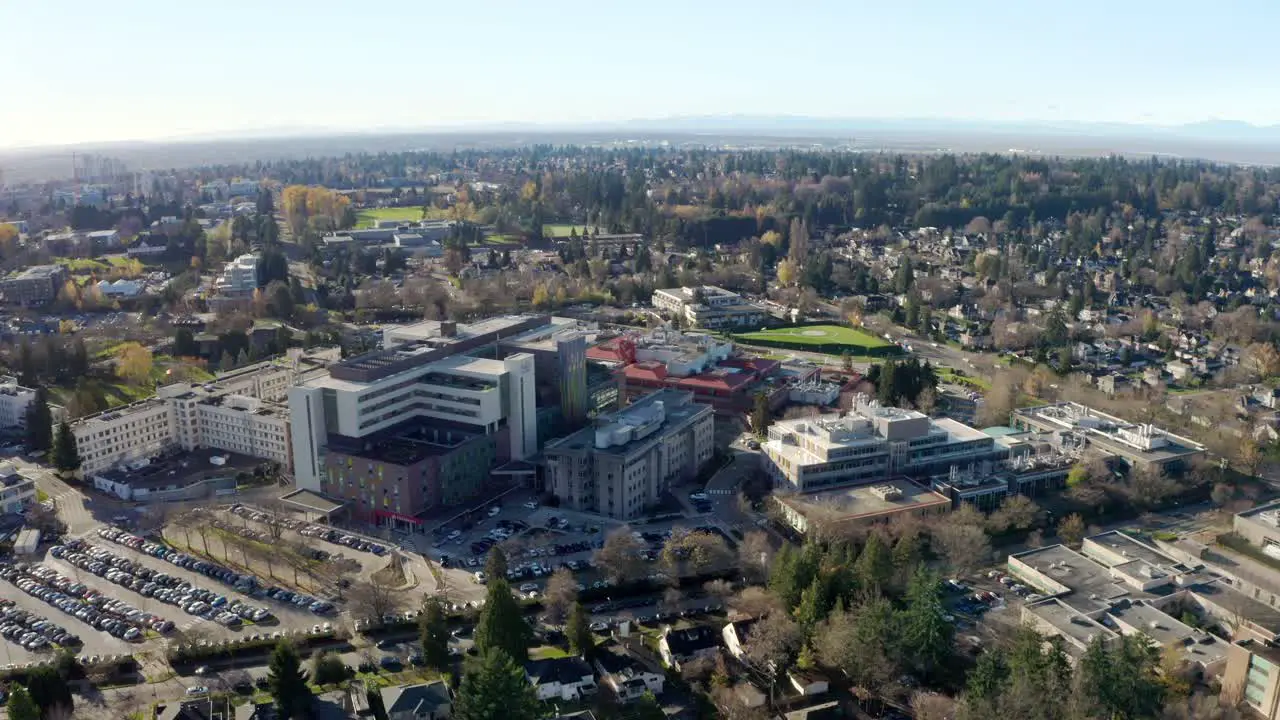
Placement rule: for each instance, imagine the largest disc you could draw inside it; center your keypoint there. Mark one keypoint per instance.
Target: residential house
(1178, 370)
(1113, 383)
(202, 709)
(808, 682)
(681, 646)
(627, 677)
(735, 636)
(566, 678)
(426, 701)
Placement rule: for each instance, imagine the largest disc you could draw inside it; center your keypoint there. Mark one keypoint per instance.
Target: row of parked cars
(247, 584)
(32, 631)
(161, 586)
(306, 529)
(115, 617)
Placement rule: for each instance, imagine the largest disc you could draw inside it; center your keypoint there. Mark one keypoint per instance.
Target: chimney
(448, 328)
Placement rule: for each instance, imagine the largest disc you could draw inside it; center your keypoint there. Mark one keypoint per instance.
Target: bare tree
(773, 642)
(964, 547)
(370, 600)
(1017, 512)
(754, 554)
(1071, 529)
(720, 589)
(559, 596)
(620, 558)
(695, 552)
(671, 599)
(754, 602)
(932, 706)
(277, 518)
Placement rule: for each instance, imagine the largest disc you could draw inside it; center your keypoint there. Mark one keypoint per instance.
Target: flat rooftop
(1130, 549)
(865, 501)
(1067, 621)
(1089, 585)
(1197, 645)
(1132, 440)
(312, 501)
(1267, 652)
(678, 407)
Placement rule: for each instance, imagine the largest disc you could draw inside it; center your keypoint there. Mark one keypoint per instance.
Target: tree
(434, 634)
(559, 596)
(786, 273)
(874, 567)
(327, 669)
(494, 686)
(21, 705)
(963, 546)
(773, 642)
(65, 455)
(288, 682)
(1017, 512)
(184, 343)
(753, 555)
(50, 692)
(370, 600)
(502, 625)
(619, 558)
(39, 422)
(377, 708)
(927, 636)
(495, 565)
(578, 632)
(862, 643)
(1120, 680)
(647, 708)
(1071, 529)
(133, 363)
(1249, 455)
(761, 415)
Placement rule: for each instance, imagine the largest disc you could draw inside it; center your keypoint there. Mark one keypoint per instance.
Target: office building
(430, 376)
(841, 510)
(1140, 447)
(622, 465)
(711, 307)
(1253, 675)
(871, 444)
(1117, 585)
(34, 286)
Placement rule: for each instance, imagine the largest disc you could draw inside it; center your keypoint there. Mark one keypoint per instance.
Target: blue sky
(88, 70)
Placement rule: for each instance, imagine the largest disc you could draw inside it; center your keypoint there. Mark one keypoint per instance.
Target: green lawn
(817, 335)
(366, 218)
(562, 231)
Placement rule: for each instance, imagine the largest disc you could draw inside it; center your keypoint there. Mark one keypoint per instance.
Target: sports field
(366, 218)
(818, 336)
(562, 231)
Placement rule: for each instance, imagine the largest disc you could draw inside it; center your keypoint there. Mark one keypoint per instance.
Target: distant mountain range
(1209, 130)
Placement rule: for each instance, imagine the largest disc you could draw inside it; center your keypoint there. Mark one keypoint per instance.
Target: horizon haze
(155, 71)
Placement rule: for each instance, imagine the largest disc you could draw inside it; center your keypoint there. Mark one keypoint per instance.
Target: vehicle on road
(198, 690)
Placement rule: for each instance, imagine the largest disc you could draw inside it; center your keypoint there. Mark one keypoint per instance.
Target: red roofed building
(729, 388)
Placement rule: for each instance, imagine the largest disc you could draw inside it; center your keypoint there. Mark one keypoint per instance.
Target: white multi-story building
(239, 412)
(14, 400)
(870, 444)
(243, 188)
(429, 378)
(623, 465)
(239, 276)
(17, 492)
(709, 307)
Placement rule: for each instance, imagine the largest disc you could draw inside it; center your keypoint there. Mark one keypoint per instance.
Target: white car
(455, 534)
(480, 578)
(528, 587)
(494, 510)
(198, 690)
(532, 505)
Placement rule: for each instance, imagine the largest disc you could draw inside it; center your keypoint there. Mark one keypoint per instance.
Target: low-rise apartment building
(14, 400)
(34, 286)
(17, 492)
(707, 306)
(623, 464)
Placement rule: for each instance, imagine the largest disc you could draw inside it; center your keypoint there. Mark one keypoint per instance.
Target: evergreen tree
(988, 678)
(815, 603)
(495, 565)
(288, 682)
(228, 362)
(494, 686)
(50, 691)
(927, 637)
(435, 636)
(761, 417)
(578, 630)
(21, 705)
(184, 343)
(502, 625)
(65, 455)
(647, 708)
(874, 567)
(39, 422)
